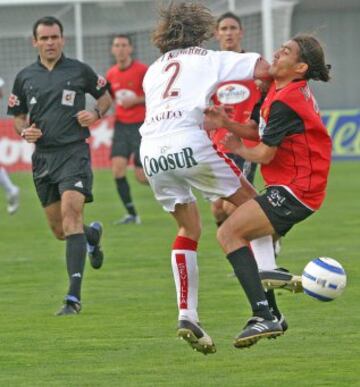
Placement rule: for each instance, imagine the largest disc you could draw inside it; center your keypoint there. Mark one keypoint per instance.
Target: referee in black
(48, 103)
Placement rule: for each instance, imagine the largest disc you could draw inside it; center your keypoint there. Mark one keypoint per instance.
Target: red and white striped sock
(186, 276)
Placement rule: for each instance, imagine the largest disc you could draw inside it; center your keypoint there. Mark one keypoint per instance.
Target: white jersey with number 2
(178, 86)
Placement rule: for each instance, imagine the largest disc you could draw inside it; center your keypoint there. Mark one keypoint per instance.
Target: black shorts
(66, 169)
(126, 141)
(247, 167)
(282, 208)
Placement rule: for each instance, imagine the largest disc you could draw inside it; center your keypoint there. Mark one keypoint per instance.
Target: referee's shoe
(195, 335)
(95, 253)
(257, 328)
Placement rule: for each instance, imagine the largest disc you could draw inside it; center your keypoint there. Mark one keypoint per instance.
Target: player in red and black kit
(294, 153)
(238, 99)
(125, 79)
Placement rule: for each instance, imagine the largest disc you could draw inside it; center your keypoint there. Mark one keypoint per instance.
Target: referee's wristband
(98, 112)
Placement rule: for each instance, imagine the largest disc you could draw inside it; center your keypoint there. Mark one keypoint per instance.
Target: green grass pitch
(125, 335)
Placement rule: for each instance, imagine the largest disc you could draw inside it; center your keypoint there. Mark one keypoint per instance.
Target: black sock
(92, 235)
(123, 189)
(75, 262)
(270, 296)
(246, 270)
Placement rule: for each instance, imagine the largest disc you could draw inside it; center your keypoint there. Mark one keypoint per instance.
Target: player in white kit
(177, 155)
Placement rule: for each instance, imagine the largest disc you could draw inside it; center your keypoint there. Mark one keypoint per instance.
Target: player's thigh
(245, 192)
(188, 220)
(75, 173)
(247, 222)
(72, 205)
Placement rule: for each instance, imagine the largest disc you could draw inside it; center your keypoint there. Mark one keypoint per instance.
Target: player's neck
(280, 83)
(234, 49)
(49, 64)
(124, 64)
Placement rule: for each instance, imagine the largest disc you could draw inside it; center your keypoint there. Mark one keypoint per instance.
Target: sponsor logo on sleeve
(101, 82)
(13, 101)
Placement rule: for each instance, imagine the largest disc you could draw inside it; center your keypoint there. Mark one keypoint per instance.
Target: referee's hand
(86, 118)
(31, 134)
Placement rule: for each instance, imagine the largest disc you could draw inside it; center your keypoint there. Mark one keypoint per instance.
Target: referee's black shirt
(52, 99)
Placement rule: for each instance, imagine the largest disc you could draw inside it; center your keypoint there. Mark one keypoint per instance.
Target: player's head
(302, 57)
(48, 37)
(121, 48)
(229, 32)
(183, 25)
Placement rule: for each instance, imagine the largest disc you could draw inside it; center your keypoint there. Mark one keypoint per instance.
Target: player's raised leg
(186, 276)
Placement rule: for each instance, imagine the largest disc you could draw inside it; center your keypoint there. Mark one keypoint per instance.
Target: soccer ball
(324, 279)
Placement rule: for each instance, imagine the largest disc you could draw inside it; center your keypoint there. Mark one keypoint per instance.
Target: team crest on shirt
(13, 101)
(101, 82)
(68, 97)
(232, 93)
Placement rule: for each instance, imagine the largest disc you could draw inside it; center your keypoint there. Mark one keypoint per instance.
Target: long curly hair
(183, 25)
(312, 53)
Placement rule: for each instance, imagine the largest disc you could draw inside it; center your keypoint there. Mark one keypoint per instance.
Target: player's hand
(232, 142)
(31, 134)
(216, 116)
(86, 118)
(128, 102)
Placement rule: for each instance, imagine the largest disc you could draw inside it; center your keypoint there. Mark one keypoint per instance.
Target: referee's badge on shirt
(68, 97)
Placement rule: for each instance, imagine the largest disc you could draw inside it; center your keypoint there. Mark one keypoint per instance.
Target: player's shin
(186, 276)
(246, 270)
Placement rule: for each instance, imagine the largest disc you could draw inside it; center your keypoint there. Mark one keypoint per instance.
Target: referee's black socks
(75, 262)
(246, 270)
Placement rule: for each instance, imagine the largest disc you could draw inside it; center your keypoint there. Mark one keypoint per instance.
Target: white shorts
(174, 164)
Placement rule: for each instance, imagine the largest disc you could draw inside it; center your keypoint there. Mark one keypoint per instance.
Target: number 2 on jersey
(170, 91)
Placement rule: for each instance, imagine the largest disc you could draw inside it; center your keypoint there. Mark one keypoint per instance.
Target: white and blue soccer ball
(324, 279)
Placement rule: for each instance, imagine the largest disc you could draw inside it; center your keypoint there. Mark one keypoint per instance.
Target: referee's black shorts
(282, 208)
(60, 170)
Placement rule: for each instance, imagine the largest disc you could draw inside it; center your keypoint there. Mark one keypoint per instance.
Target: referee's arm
(29, 133)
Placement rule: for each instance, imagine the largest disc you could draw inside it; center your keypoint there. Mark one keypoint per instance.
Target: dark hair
(47, 21)
(123, 36)
(312, 53)
(228, 15)
(183, 25)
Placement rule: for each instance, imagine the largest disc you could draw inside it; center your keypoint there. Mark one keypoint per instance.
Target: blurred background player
(48, 103)
(12, 191)
(125, 79)
(238, 99)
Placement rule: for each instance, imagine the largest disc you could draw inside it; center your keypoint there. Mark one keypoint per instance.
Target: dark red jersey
(290, 120)
(127, 83)
(239, 99)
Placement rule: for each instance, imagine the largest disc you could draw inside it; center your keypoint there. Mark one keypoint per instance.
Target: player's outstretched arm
(262, 70)
(217, 117)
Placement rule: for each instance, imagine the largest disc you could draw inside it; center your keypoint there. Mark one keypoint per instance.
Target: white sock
(263, 251)
(186, 276)
(6, 183)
